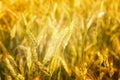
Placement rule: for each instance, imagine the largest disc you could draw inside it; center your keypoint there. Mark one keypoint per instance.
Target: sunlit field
(59, 39)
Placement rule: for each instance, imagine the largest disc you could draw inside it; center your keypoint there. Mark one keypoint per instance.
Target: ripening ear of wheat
(59, 40)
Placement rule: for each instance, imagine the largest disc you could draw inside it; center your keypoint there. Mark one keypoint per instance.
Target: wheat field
(59, 39)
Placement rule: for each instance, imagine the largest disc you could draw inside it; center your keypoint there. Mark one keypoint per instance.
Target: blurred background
(59, 40)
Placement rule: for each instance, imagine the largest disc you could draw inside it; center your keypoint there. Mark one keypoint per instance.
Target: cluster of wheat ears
(59, 39)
